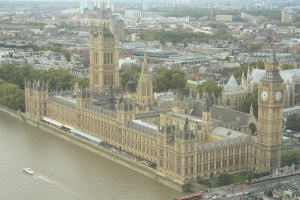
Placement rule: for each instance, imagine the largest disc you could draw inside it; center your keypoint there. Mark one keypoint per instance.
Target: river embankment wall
(113, 156)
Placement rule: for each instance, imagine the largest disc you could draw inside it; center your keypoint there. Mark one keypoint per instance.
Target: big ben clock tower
(270, 118)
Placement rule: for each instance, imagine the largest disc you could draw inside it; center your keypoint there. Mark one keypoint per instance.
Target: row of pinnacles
(234, 94)
(36, 98)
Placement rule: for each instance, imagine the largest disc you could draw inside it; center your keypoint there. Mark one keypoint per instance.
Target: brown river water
(64, 171)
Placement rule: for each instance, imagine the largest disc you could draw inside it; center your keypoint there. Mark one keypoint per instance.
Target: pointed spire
(101, 26)
(221, 120)
(248, 72)
(204, 94)
(251, 109)
(92, 27)
(243, 79)
(274, 57)
(219, 100)
(145, 68)
(198, 96)
(213, 97)
(38, 83)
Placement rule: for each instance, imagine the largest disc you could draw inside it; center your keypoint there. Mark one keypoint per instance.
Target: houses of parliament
(187, 139)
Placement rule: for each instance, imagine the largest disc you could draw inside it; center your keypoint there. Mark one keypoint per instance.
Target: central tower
(270, 118)
(104, 58)
(144, 98)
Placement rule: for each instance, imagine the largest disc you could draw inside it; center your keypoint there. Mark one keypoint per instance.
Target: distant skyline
(289, 2)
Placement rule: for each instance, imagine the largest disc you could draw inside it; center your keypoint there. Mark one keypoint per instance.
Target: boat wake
(46, 179)
(52, 182)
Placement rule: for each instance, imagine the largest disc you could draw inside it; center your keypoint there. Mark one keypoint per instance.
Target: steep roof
(231, 85)
(286, 75)
(228, 116)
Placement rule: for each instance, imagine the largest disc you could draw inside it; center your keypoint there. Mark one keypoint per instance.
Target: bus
(191, 197)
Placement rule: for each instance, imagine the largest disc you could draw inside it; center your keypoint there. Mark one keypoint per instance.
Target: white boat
(28, 171)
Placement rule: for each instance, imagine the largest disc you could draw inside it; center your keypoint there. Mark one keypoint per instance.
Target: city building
(224, 18)
(287, 16)
(183, 139)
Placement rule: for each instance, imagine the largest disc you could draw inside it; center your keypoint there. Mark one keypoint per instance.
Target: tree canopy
(12, 79)
(184, 37)
(170, 79)
(239, 72)
(244, 68)
(224, 179)
(251, 98)
(11, 96)
(293, 122)
(52, 48)
(56, 78)
(125, 77)
(211, 88)
(287, 67)
(217, 25)
(291, 157)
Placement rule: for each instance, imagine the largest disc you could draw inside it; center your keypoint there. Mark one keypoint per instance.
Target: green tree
(291, 157)
(12, 96)
(218, 25)
(287, 67)
(125, 77)
(170, 79)
(259, 64)
(255, 47)
(10, 73)
(251, 98)
(244, 68)
(85, 62)
(67, 55)
(184, 37)
(56, 78)
(210, 87)
(239, 72)
(51, 48)
(293, 122)
(224, 179)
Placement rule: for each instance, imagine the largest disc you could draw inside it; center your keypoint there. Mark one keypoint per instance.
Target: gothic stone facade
(184, 147)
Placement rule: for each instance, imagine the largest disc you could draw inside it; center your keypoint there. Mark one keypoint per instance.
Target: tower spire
(274, 57)
(251, 109)
(145, 68)
(91, 27)
(248, 72)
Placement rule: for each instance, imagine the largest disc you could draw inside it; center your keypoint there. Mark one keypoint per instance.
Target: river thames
(63, 170)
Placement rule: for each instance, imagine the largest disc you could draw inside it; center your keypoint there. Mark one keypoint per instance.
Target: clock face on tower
(278, 96)
(264, 95)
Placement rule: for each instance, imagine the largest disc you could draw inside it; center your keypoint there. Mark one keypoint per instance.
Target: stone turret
(126, 111)
(206, 115)
(131, 88)
(145, 97)
(36, 98)
(83, 96)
